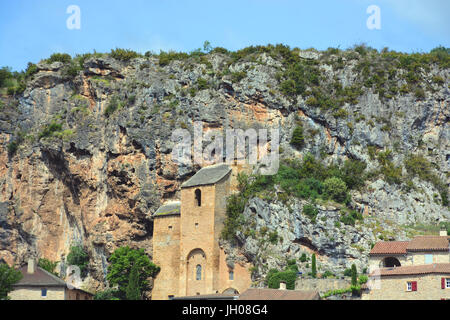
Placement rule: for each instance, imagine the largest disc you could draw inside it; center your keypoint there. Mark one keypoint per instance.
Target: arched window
(230, 275)
(198, 272)
(198, 197)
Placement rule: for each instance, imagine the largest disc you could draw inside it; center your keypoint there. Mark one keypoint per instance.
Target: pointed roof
(429, 243)
(39, 278)
(208, 175)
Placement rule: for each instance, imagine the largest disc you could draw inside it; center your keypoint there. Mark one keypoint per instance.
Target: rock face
(98, 177)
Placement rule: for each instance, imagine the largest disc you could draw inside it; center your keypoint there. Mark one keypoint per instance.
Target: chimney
(31, 267)
(282, 285)
(443, 233)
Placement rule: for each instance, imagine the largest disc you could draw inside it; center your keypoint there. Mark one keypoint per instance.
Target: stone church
(186, 240)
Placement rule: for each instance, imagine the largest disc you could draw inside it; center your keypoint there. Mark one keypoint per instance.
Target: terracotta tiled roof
(429, 243)
(440, 268)
(275, 294)
(390, 247)
(40, 278)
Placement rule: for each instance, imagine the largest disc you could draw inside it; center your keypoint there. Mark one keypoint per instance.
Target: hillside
(85, 150)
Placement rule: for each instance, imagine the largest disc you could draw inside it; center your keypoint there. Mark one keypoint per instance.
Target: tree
(78, 257)
(8, 276)
(298, 139)
(133, 292)
(121, 263)
(108, 294)
(48, 265)
(354, 275)
(313, 266)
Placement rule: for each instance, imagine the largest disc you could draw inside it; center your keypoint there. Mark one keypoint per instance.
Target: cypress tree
(133, 292)
(313, 266)
(354, 275)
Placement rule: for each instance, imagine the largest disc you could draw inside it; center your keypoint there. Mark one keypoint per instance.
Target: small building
(186, 240)
(421, 282)
(416, 269)
(39, 284)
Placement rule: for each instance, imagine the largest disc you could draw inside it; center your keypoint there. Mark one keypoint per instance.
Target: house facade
(186, 240)
(38, 284)
(410, 270)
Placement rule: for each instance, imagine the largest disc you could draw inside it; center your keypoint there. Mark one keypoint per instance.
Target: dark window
(231, 275)
(199, 272)
(43, 292)
(170, 296)
(198, 197)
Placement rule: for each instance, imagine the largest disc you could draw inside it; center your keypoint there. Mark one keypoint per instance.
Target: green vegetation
(113, 105)
(289, 275)
(109, 294)
(133, 292)
(306, 179)
(298, 139)
(8, 277)
(124, 54)
(78, 257)
(122, 262)
(48, 265)
(50, 129)
(419, 166)
(59, 57)
(313, 266)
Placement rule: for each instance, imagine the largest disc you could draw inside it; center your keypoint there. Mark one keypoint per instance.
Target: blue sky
(31, 30)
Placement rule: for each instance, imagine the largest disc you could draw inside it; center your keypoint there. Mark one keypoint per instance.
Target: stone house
(186, 240)
(38, 284)
(410, 270)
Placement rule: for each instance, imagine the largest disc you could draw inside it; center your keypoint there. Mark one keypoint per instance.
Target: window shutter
(443, 283)
(414, 286)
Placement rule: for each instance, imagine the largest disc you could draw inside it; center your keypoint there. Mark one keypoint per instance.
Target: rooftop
(276, 294)
(168, 208)
(208, 175)
(39, 278)
(429, 243)
(440, 268)
(389, 247)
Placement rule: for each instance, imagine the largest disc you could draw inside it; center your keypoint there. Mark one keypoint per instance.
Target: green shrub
(59, 57)
(238, 76)
(274, 277)
(298, 139)
(50, 129)
(78, 257)
(202, 84)
(123, 54)
(114, 105)
(336, 189)
(48, 265)
(311, 211)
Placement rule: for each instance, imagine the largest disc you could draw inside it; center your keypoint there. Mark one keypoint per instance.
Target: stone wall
(322, 285)
(166, 255)
(34, 293)
(394, 288)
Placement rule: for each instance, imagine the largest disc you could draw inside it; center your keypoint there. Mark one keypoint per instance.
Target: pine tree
(313, 266)
(133, 292)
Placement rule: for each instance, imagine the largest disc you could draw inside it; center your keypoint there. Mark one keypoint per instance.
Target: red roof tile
(440, 268)
(275, 294)
(429, 243)
(390, 247)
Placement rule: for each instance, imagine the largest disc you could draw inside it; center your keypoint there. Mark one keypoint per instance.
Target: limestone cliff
(85, 155)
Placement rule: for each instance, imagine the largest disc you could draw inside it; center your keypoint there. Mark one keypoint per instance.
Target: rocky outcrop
(98, 177)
